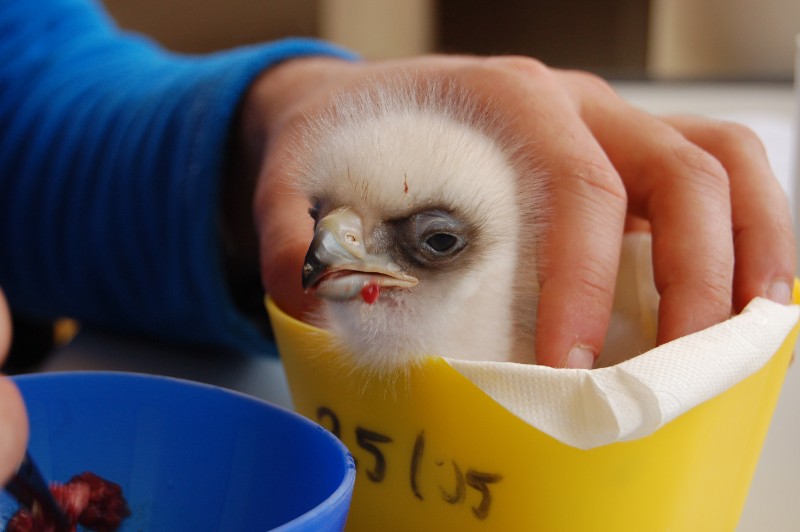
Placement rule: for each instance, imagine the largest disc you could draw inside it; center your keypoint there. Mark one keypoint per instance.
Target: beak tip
(308, 277)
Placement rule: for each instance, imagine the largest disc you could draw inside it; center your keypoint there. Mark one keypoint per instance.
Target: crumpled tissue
(634, 397)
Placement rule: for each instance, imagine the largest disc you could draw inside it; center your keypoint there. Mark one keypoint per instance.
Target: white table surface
(774, 500)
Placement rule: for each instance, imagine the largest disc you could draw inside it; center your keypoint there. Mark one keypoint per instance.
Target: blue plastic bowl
(188, 456)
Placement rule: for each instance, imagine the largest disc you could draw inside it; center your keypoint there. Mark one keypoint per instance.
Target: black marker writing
(461, 487)
(367, 439)
(335, 428)
(479, 481)
(416, 457)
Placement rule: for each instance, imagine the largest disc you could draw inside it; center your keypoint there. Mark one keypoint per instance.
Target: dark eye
(433, 237)
(441, 242)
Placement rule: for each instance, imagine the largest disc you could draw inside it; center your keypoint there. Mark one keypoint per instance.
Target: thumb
(13, 419)
(285, 231)
(13, 429)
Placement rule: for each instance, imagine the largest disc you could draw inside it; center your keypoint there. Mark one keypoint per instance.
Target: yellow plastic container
(435, 453)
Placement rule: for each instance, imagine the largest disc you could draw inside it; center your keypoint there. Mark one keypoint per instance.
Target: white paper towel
(589, 408)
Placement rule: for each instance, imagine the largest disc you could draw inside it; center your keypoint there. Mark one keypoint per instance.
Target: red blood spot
(370, 293)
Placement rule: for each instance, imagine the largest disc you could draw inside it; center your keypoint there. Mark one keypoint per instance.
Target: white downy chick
(425, 238)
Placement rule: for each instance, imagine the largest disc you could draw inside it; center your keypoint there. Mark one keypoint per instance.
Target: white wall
(379, 28)
(723, 38)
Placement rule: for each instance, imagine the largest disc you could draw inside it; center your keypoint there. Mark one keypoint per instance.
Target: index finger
(580, 243)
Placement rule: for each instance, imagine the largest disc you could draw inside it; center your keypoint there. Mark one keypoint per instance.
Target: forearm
(112, 156)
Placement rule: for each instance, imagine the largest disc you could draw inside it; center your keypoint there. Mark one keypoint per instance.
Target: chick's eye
(435, 236)
(441, 242)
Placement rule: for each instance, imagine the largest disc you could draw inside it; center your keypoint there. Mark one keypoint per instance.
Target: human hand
(13, 420)
(720, 222)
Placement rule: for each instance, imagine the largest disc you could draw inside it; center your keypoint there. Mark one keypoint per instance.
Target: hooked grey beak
(337, 266)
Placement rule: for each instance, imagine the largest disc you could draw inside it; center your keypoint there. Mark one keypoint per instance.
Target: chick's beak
(337, 266)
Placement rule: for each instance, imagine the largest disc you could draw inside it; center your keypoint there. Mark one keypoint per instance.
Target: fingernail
(780, 292)
(580, 357)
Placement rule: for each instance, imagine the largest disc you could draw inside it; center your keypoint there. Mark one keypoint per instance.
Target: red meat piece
(107, 507)
(88, 499)
(73, 498)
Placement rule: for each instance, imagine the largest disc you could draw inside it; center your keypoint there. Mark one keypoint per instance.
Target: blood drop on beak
(370, 293)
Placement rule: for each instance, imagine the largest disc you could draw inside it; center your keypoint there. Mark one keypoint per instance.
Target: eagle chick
(426, 221)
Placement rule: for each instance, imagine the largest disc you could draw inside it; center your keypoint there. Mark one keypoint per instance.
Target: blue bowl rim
(342, 493)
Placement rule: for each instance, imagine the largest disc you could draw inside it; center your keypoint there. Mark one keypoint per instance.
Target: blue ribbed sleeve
(111, 153)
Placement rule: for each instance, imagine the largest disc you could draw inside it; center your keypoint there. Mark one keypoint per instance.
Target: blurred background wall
(723, 38)
(628, 39)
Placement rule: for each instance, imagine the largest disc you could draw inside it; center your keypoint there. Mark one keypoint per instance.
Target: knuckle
(784, 238)
(599, 181)
(713, 286)
(593, 84)
(709, 273)
(715, 298)
(735, 136)
(519, 65)
(700, 166)
(595, 281)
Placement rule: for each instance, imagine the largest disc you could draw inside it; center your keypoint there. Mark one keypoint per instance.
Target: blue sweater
(111, 153)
